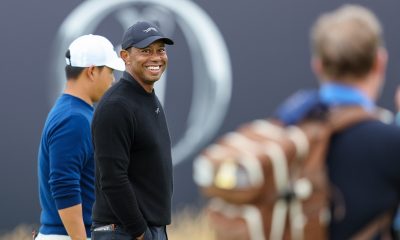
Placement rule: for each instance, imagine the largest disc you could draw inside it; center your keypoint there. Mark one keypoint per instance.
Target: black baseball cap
(142, 34)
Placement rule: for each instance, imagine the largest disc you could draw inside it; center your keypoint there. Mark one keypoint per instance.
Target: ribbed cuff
(68, 201)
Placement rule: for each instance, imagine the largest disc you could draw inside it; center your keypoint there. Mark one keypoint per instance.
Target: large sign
(212, 76)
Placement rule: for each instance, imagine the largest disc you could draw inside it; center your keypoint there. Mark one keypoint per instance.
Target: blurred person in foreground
(349, 57)
(66, 164)
(132, 145)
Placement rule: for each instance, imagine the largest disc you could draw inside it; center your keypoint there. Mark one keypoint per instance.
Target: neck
(148, 87)
(77, 90)
(369, 86)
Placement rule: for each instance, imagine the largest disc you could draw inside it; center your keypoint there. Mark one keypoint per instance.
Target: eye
(145, 51)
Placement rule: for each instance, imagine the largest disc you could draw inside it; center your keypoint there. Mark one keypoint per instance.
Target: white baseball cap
(93, 50)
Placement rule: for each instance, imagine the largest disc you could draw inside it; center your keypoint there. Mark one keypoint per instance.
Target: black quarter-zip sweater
(132, 150)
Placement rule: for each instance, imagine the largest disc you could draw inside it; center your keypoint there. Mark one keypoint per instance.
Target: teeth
(153, 67)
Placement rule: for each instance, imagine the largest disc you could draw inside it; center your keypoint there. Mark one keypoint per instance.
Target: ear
(381, 60)
(124, 55)
(316, 66)
(90, 72)
(318, 69)
(377, 73)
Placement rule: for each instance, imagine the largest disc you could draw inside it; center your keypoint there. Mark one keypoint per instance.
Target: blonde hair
(346, 41)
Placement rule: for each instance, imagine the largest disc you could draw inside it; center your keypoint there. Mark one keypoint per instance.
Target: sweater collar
(77, 100)
(127, 77)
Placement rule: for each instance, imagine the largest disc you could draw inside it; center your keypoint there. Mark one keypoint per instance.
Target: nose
(155, 57)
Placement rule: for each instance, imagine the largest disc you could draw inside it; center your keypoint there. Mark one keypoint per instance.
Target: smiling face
(147, 64)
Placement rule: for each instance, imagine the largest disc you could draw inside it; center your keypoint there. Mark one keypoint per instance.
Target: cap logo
(150, 29)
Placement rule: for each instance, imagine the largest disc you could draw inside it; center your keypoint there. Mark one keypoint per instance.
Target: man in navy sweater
(132, 145)
(363, 161)
(66, 165)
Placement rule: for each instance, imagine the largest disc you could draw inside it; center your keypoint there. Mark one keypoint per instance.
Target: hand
(141, 237)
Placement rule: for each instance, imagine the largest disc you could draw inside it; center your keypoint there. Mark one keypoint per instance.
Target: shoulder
(69, 105)
(376, 127)
(113, 113)
(118, 96)
(75, 124)
(113, 106)
(76, 118)
(369, 144)
(374, 131)
(70, 128)
(68, 117)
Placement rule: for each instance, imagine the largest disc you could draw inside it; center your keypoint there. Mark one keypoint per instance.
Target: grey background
(269, 51)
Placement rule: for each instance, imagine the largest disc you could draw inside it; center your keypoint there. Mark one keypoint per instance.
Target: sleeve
(113, 133)
(67, 154)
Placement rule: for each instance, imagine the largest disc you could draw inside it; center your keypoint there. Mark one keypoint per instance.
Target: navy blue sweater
(133, 159)
(364, 168)
(66, 165)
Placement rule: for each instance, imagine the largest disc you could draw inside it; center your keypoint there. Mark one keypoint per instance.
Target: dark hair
(74, 72)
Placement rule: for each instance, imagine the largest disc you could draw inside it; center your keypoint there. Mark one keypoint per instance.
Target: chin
(153, 80)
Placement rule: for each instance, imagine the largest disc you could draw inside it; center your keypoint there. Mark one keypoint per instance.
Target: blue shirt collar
(335, 94)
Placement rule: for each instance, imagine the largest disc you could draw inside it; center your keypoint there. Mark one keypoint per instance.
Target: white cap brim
(116, 63)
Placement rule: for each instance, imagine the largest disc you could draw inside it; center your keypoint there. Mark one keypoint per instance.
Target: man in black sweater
(132, 145)
(364, 160)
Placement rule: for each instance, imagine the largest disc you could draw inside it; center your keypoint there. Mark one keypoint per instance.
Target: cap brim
(116, 64)
(146, 42)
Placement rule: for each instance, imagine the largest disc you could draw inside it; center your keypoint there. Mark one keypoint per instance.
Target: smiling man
(132, 145)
